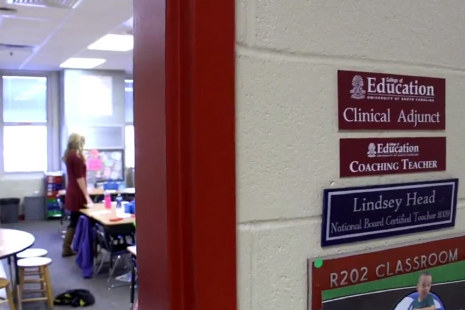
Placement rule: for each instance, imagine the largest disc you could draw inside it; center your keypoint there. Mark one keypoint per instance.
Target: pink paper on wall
(94, 164)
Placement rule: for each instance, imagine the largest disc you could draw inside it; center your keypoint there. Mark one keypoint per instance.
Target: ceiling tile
(63, 33)
(12, 59)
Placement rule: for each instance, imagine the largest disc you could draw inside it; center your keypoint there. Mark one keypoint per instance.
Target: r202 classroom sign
(387, 279)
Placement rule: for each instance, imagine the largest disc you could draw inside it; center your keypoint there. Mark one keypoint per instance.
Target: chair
(110, 186)
(114, 248)
(129, 177)
(64, 219)
(133, 251)
(43, 280)
(5, 284)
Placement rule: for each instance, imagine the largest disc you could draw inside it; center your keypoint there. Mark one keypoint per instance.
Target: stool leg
(41, 272)
(17, 294)
(21, 283)
(10, 298)
(48, 285)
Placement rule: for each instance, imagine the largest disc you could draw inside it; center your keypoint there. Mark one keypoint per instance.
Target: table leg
(9, 267)
(11, 275)
(15, 281)
(15, 262)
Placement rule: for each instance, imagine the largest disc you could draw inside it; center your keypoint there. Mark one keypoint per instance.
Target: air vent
(16, 47)
(4, 9)
(66, 4)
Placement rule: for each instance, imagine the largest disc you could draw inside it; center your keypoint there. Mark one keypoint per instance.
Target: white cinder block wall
(287, 56)
(18, 186)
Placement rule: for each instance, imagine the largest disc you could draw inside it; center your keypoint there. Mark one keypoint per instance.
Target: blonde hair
(75, 143)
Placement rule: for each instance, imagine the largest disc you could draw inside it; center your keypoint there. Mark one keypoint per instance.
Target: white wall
(19, 186)
(288, 53)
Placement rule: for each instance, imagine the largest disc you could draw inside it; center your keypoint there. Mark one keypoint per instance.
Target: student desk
(110, 219)
(97, 193)
(100, 191)
(107, 217)
(114, 225)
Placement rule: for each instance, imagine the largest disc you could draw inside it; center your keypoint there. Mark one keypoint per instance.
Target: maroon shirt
(76, 168)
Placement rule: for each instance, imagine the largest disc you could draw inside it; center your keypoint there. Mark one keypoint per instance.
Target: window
(128, 101)
(129, 146)
(24, 123)
(25, 148)
(87, 95)
(95, 95)
(129, 128)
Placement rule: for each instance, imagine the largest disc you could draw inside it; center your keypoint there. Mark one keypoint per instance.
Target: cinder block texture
(287, 137)
(428, 32)
(272, 269)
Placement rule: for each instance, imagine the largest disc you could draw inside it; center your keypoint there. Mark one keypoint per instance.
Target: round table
(12, 242)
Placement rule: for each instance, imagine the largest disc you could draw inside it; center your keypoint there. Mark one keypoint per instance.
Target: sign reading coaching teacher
(388, 101)
(362, 213)
(378, 156)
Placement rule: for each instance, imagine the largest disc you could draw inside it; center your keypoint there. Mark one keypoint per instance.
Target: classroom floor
(66, 274)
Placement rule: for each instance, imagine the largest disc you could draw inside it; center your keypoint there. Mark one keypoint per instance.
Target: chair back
(102, 239)
(111, 185)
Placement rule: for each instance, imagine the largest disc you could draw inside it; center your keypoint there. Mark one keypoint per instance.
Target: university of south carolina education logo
(357, 91)
(392, 149)
(371, 150)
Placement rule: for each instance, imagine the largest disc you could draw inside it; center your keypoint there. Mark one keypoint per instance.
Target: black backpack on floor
(75, 298)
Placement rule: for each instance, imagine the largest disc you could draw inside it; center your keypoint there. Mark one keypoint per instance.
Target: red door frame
(184, 117)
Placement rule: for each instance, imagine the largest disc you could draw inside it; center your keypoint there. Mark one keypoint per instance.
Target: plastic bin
(9, 210)
(34, 208)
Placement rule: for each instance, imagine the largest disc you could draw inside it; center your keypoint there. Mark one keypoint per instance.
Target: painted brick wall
(22, 186)
(288, 53)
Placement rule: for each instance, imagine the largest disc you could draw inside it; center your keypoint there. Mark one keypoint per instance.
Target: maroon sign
(387, 101)
(347, 271)
(378, 156)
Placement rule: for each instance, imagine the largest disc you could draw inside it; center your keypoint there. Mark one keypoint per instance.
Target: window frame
(49, 123)
(126, 123)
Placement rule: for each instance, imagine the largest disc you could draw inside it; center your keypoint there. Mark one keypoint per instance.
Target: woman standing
(76, 190)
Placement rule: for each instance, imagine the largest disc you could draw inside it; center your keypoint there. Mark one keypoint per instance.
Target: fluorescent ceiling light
(82, 63)
(21, 77)
(66, 4)
(114, 42)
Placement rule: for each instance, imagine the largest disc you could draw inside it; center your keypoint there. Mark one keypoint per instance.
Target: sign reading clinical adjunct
(386, 101)
(378, 156)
